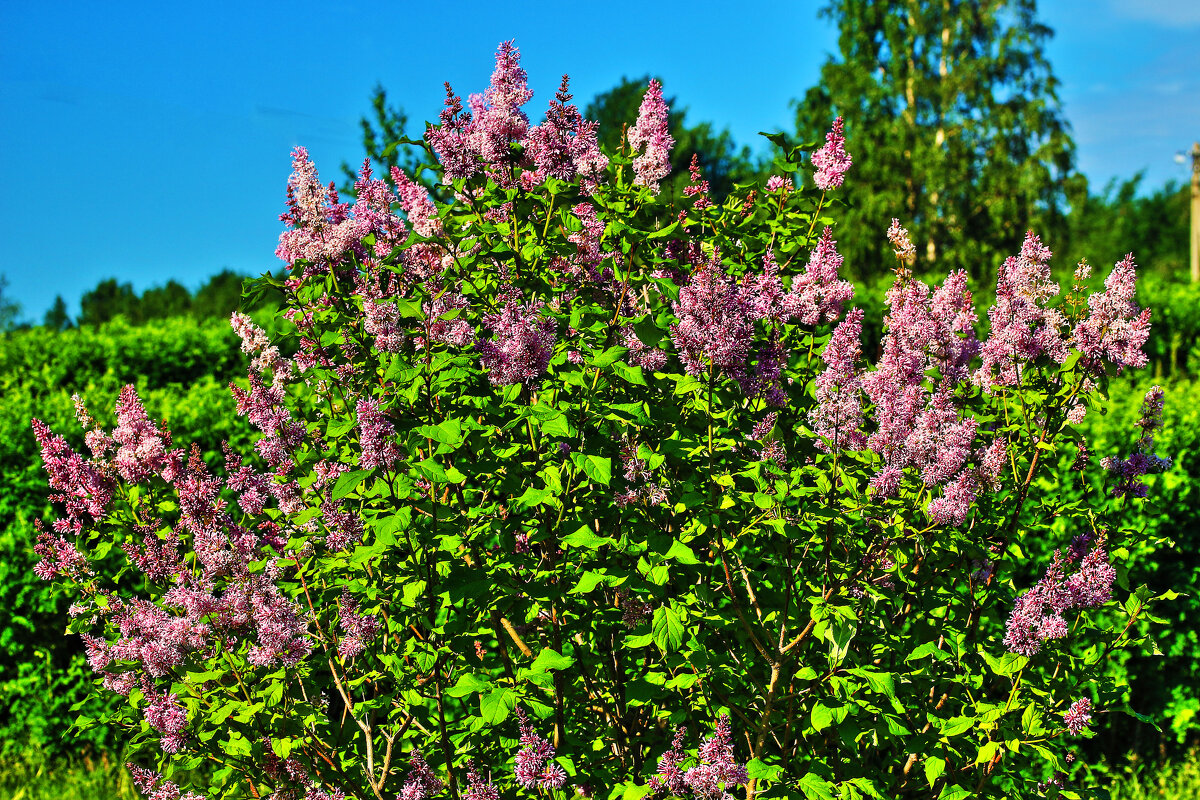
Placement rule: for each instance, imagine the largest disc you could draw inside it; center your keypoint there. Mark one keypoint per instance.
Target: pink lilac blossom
(142, 448)
(441, 326)
(320, 228)
(641, 354)
(373, 210)
(715, 327)
(156, 787)
(564, 145)
(698, 187)
(818, 293)
(375, 434)
(266, 357)
(718, 770)
(534, 767)
(57, 556)
(1039, 614)
(417, 204)
(450, 142)
(832, 161)
(940, 442)
(1078, 717)
(897, 234)
(777, 183)
(651, 140)
(992, 460)
(83, 487)
(280, 631)
(478, 787)
(165, 714)
(1024, 327)
(669, 779)
(264, 407)
(886, 482)
(521, 344)
(837, 418)
(421, 783)
(955, 503)
(498, 121)
(357, 630)
(1115, 329)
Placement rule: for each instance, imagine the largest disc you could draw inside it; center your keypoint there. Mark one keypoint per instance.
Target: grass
(105, 780)
(38, 779)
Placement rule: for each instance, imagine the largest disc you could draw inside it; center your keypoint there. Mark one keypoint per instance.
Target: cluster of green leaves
(181, 368)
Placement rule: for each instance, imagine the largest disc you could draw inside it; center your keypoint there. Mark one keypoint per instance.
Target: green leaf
(822, 717)
(815, 787)
(496, 705)
(446, 432)
(551, 659)
(934, 767)
(435, 473)
(954, 793)
(681, 554)
(609, 356)
(347, 482)
(987, 752)
(667, 629)
(469, 684)
(760, 770)
(629, 374)
(585, 537)
(597, 468)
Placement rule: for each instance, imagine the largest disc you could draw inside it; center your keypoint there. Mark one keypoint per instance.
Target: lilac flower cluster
(897, 234)
(651, 140)
(375, 436)
(837, 418)
(1129, 471)
(1039, 614)
(322, 229)
(916, 426)
(357, 629)
(266, 357)
(564, 146)
(220, 598)
(421, 783)
(1115, 329)
(710, 779)
(155, 787)
(1023, 326)
(534, 767)
(817, 294)
(1078, 717)
(832, 161)
(521, 345)
(479, 787)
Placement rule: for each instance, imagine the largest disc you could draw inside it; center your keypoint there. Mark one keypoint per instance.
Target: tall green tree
(57, 318)
(382, 131)
(9, 309)
(722, 161)
(953, 120)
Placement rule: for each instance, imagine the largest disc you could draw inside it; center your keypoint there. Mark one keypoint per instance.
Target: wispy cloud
(1173, 13)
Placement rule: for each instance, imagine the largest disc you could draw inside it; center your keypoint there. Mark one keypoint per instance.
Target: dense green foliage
(181, 366)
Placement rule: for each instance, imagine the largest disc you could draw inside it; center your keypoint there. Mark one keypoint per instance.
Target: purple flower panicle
(651, 140)
(1079, 716)
(832, 161)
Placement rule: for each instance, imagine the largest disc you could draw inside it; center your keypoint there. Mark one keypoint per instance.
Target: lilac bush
(553, 471)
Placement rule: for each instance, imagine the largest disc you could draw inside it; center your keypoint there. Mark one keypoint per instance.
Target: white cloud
(1173, 13)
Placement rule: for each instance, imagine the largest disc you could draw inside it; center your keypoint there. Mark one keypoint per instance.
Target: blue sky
(150, 141)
